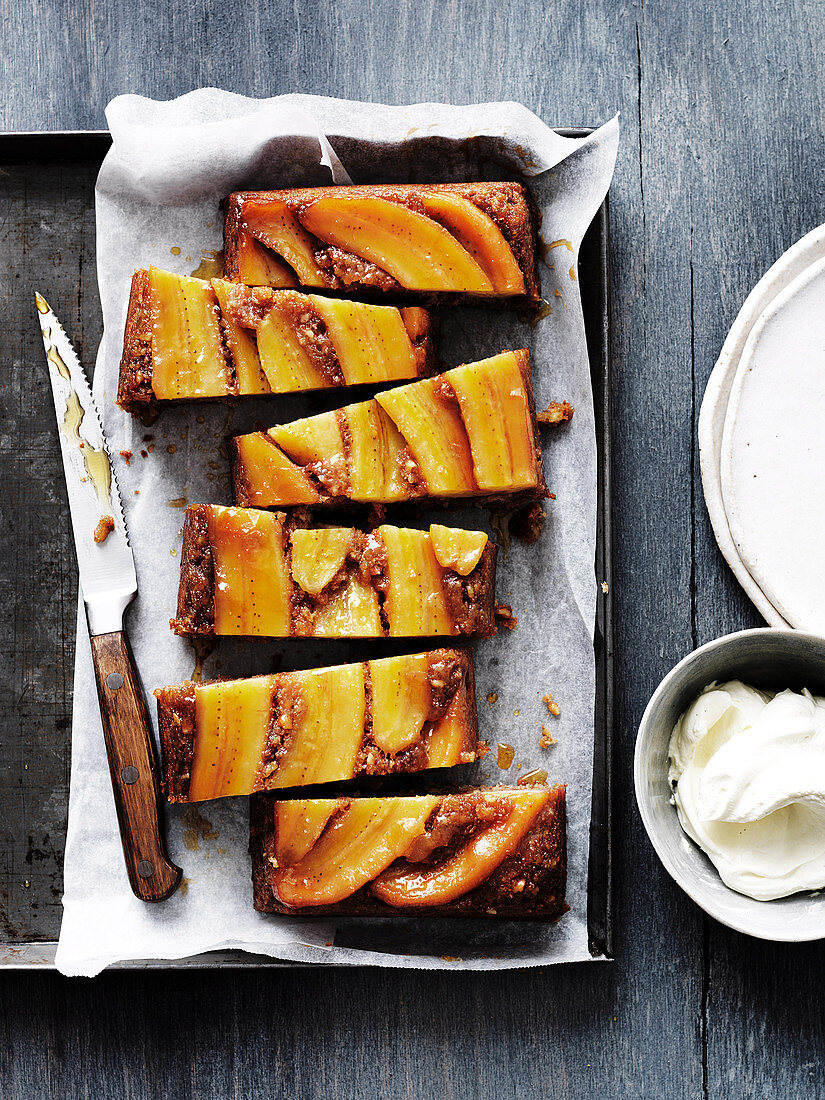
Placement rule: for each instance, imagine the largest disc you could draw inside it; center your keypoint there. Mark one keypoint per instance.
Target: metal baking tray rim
(73, 146)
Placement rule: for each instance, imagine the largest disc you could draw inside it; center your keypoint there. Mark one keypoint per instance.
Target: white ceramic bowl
(766, 658)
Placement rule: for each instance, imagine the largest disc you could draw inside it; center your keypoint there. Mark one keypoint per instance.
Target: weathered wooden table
(720, 170)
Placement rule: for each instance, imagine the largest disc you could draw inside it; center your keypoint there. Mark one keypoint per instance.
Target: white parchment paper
(157, 203)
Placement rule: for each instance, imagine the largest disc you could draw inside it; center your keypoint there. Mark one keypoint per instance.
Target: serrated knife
(109, 584)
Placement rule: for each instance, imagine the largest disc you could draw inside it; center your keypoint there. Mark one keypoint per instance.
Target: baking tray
(47, 242)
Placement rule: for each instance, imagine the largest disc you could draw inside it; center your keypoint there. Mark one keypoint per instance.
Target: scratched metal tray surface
(47, 243)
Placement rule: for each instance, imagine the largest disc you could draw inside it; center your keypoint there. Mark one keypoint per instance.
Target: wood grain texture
(133, 768)
(720, 169)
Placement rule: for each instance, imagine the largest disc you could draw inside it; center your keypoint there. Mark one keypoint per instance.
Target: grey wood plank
(754, 194)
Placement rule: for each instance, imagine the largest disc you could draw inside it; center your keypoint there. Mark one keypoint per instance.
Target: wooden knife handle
(133, 768)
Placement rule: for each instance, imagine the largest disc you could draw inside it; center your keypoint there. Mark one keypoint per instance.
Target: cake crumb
(504, 614)
(605, 587)
(492, 697)
(127, 456)
(551, 705)
(547, 739)
(104, 528)
(557, 412)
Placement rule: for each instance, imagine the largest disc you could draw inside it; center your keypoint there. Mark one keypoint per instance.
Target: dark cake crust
(196, 592)
(176, 721)
(529, 885)
(507, 204)
(134, 389)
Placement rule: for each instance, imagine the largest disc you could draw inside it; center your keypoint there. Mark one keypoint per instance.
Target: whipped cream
(748, 772)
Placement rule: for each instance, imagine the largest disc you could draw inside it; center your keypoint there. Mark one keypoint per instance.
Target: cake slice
(469, 433)
(291, 729)
(477, 240)
(187, 338)
(249, 572)
(498, 852)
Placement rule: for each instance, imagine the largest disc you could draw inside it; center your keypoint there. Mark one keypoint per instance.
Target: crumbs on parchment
(557, 412)
(551, 705)
(547, 739)
(504, 615)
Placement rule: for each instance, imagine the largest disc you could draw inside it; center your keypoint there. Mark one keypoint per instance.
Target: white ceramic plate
(773, 452)
(788, 267)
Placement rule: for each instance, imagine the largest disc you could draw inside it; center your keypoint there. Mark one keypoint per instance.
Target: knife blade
(109, 584)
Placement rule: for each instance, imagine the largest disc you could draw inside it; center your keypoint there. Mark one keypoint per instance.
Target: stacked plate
(762, 441)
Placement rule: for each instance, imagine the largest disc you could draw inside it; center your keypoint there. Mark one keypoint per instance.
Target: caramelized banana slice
(187, 349)
(325, 710)
(299, 823)
(317, 443)
(377, 455)
(252, 588)
(371, 339)
(434, 431)
(401, 700)
(231, 723)
(410, 886)
(480, 236)
(446, 745)
(358, 844)
(353, 612)
(496, 411)
(457, 549)
(275, 477)
(258, 266)
(415, 603)
(276, 226)
(418, 252)
(285, 362)
(317, 555)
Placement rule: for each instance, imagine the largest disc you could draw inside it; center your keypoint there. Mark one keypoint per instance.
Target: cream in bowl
(747, 768)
